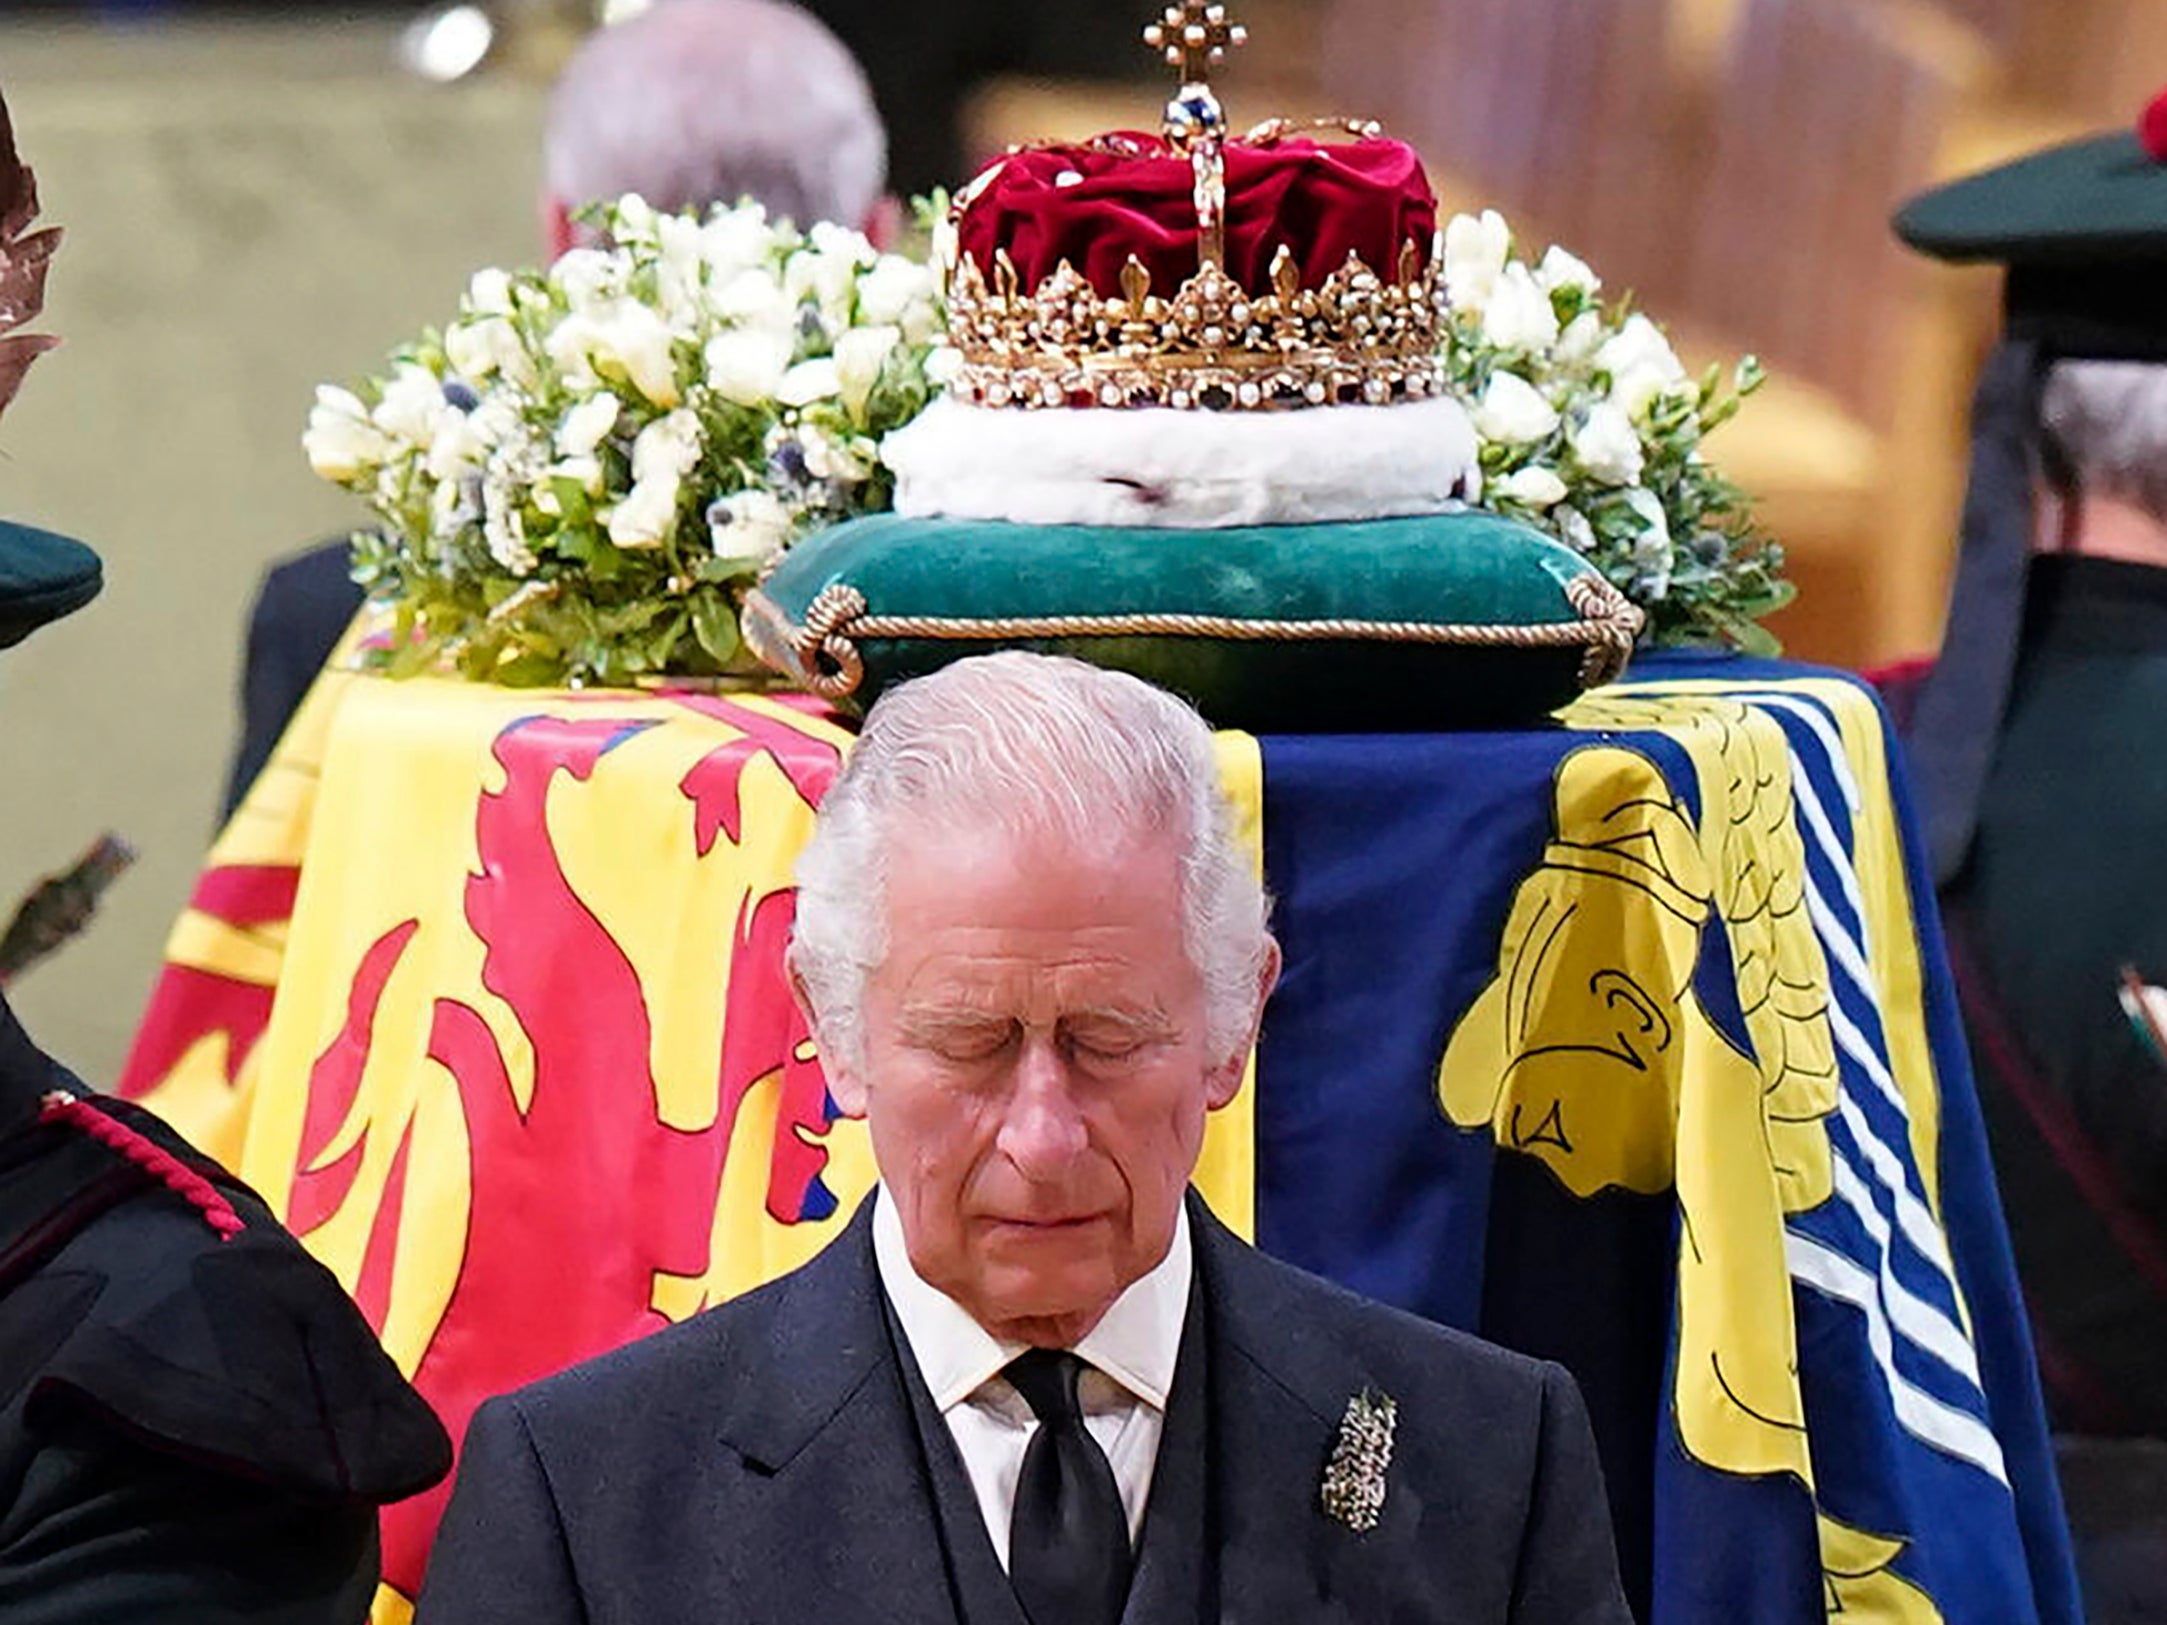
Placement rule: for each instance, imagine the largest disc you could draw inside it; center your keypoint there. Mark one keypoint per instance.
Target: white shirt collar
(1136, 1341)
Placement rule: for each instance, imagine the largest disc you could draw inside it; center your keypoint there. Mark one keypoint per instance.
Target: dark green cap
(2082, 229)
(42, 577)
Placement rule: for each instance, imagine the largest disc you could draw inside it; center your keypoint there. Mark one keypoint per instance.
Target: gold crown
(1362, 337)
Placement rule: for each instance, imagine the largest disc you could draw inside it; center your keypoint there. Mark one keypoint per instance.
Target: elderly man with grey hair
(690, 103)
(707, 101)
(1035, 1381)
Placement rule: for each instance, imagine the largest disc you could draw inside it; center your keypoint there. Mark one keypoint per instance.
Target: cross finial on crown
(1195, 37)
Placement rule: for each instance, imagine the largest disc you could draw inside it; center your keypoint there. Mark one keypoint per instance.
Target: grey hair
(1016, 742)
(696, 102)
(2108, 421)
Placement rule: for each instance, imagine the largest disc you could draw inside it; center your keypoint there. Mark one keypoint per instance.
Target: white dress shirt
(1129, 1357)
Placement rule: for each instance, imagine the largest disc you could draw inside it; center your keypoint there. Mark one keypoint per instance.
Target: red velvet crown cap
(1134, 196)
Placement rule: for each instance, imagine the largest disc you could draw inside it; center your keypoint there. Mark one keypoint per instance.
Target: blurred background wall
(250, 207)
(258, 199)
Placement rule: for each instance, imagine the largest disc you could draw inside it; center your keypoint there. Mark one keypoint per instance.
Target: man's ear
(845, 1084)
(558, 232)
(1225, 1080)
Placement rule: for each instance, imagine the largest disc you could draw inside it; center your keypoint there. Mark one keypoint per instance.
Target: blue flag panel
(1630, 1043)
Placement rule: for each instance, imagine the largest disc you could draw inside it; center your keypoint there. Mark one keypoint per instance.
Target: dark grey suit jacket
(760, 1463)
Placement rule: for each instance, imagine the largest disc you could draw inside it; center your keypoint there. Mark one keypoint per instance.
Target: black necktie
(1068, 1542)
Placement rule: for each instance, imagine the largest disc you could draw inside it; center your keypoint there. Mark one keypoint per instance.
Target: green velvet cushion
(1446, 621)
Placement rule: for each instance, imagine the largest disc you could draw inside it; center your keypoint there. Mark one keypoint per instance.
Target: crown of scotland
(1195, 269)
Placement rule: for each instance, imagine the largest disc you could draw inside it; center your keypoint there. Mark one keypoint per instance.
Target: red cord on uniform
(153, 1158)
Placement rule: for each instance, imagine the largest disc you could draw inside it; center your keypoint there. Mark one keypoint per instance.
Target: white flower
(619, 339)
(826, 270)
(754, 299)
(1652, 545)
(1560, 270)
(587, 425)
(899, 292)
(1512, 412)
(736, 240)
(1583, 335)
(664, 453)
(1641, 365)
(668, 448)
(585, 472)
(842, 242)
(749, 525)
(1519, 315)
(746, 366)
(496, 421)
(646, 516)
(1534, 487)
(809, 381)
(1652, 553)
(453, 506)
(860, 353)
(943, 365)
(679, 269)
(457, 450)
(490, 292)
(340, 440)
(1607, 445)
(1475, 255)
(848, 459)
(412, 405)
(479, 350)
(632, 219)
(588, 276)
(504, 531)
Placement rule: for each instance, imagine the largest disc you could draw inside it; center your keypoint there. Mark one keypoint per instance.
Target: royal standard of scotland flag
(1627, 1042)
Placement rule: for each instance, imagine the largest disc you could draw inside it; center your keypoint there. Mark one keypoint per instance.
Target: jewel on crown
(1284, 336)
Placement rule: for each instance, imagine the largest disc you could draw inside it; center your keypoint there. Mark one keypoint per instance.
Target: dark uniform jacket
(302, 609)
(778, 1459)
(2067, 883)
(192, 1429)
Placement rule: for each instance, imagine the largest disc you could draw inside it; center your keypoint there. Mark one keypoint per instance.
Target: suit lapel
(822, 1409)
(978, 1584)
(1173, 1562)
(1278, 1393)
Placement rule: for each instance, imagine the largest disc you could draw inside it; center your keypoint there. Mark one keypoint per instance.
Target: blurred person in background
(697, 102)
(2035, 743)
(691, 103)
(195, 1421)
(926, 59)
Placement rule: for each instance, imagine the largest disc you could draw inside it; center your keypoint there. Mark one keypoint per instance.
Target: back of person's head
(695, 102)
(2106, 425)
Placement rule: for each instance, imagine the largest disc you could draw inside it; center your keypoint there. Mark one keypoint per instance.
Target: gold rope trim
(824, 656)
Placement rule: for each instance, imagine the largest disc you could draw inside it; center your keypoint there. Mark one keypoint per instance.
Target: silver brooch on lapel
(1354, 1477)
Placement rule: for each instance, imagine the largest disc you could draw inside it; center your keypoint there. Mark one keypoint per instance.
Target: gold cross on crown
(1195, 37)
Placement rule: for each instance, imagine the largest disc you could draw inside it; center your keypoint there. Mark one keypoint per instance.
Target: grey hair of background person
(1022, 742)
(695, 102)
(2108, 422)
